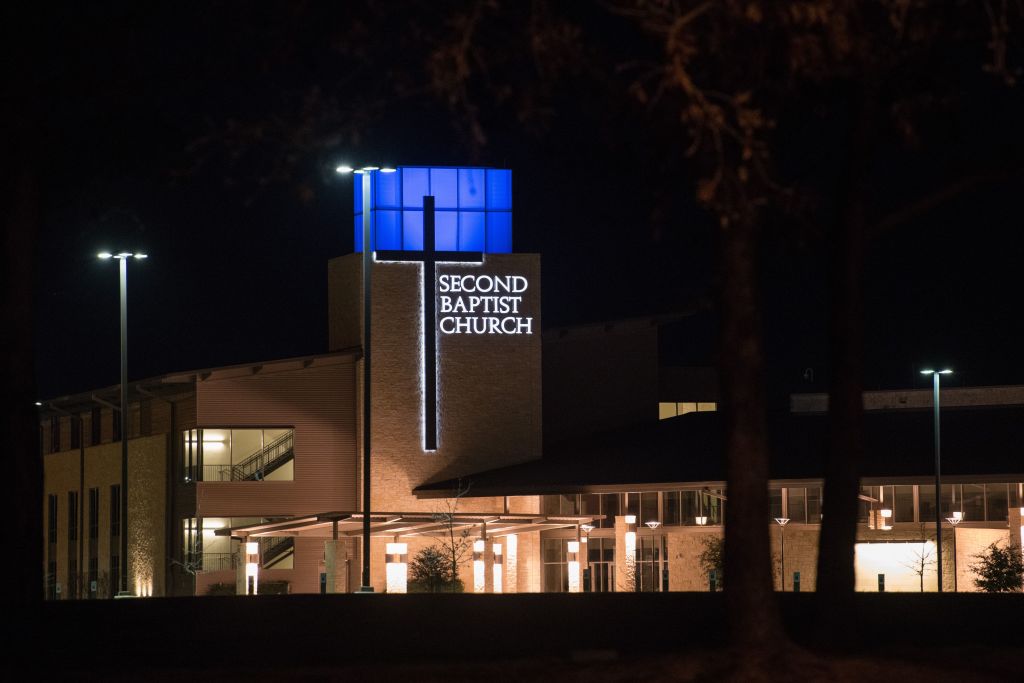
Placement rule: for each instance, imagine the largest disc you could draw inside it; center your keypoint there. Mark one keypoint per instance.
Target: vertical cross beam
(429, 256)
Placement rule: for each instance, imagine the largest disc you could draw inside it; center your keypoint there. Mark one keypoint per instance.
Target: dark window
(96, 427)
(116, 417)
(145, 417)
(51, 580)
(94, 572)
(996, 502)
(974, 502)
(814, 505)
(115, 510)
(671, 502)
(774, 503)
(115, 572)
(556, 575)
(903, 503)
(94, 513)
(648, 508)
(76, 432)
(54, 434)
(51, 533)
(609, 509)
(72, 516)
(796, 508)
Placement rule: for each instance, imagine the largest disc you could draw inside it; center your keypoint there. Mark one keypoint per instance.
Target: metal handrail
(278, 449)
(273, 546)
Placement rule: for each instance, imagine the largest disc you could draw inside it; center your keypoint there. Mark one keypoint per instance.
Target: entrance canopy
(390, 524)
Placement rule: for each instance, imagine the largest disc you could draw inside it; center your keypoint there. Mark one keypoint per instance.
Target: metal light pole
(782, 522)
(123, 257)
(367, 192)
(938, 472)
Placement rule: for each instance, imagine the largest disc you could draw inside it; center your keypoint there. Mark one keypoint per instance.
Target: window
(115, 570)
(601, 560)
(670, 500)
(72, 516)
(54, 434)
(94, 572)
(903, 503)
(220, 454)
(73, 579)
(145, 417)
(51, 519)
(76, 432)
(556, 575)
(996, 502)
(94, 513)
(774, 503)
(974, 502)
(814, 505)
(648, 508)
(674, 409)
(96, 426)
(560, 505)
(796, 508)
(609, 510)
(649, 565)
(116, 418)
(115, 511)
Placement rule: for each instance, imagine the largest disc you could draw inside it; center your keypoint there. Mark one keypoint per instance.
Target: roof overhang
(405, 524)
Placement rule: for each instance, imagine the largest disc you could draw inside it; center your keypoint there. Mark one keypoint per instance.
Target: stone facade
(489, 385)
(147, 512)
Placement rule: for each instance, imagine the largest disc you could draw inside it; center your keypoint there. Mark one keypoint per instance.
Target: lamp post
(782, 522)
(938, 472)
(123, 257)
(953, 521)
(586, 529)
(367, 193)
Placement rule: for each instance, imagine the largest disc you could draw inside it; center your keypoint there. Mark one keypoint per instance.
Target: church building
(537, 459)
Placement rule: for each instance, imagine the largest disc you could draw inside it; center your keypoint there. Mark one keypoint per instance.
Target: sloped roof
(688, 451)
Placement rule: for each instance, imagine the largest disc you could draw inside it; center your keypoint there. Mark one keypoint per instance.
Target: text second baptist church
(542, 452)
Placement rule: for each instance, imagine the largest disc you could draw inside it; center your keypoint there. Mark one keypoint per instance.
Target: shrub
(999, 570)
(431, 572)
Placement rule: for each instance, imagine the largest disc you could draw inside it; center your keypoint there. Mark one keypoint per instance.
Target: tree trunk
(20, 426)
(750, 596)
(846, 403)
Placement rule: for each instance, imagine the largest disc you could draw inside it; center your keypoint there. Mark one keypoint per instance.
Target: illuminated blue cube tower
(472, 206)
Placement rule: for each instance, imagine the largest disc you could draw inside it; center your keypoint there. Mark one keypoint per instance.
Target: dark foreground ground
(674, 636)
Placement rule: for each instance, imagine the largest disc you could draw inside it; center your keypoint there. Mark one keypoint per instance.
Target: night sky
(208, 137)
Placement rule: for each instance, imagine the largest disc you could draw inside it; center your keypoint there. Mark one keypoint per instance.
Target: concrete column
(625, 556)
(331, 565)
(511, 543)
(1016, 520)
(240, 558)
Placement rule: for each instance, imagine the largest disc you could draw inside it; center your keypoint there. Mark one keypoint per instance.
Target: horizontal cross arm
(458, 256)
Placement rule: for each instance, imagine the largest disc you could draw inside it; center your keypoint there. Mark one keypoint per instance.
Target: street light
(122, 257)
(782, 522)
(938, 471)
(367, 189)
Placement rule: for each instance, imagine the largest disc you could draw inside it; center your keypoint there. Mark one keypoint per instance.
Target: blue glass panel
(387, 190)
(358, 230)
(357, 193)
(471, 231)
(412, 230)
(388, 230)
(415, 186)
(471, 188)
(444, 185)
(499, 189)
(446, 230)
(499, 232)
